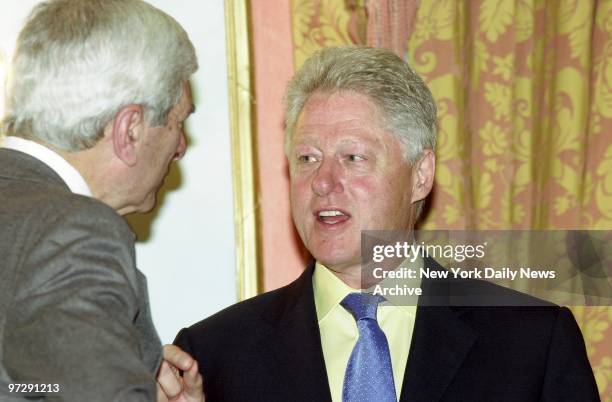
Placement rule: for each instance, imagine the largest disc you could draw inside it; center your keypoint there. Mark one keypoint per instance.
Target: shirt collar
(329, 290)
(73, 179)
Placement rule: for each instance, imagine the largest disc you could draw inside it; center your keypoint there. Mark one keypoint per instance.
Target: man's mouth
(332, 216)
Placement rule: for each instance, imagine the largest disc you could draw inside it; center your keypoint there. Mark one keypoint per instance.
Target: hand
(171, 387)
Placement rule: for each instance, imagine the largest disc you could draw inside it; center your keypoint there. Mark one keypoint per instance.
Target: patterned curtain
(524, 91)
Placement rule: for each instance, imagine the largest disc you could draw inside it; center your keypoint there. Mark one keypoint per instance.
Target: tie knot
(361, 305)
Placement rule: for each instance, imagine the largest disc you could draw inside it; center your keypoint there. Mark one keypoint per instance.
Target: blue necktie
(368, 377)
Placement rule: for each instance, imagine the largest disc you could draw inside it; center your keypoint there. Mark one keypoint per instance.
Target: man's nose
(328, 179)
(181, 148)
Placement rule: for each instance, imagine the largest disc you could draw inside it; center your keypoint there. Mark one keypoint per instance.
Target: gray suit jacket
(73, 307)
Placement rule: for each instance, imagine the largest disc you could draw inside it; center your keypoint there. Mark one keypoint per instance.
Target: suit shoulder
(239, 328)
(493, 294)
(495, 303)
(87, 209)
(510, 312)
(245, 313)
(39, 216)
(254, 316)
(60, 209)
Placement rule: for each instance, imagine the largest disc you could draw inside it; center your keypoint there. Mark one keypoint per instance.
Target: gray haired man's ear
(423, 172)
(126, 130)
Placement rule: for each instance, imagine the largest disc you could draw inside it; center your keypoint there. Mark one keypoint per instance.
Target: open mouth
(332, 216)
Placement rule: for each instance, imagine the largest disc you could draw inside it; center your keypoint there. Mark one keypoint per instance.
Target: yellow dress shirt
(339, 331)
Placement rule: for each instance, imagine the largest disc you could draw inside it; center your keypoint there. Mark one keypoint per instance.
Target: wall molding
(241, 99)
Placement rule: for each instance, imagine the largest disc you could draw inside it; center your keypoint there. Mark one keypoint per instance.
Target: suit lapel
(295, 343)
(440, 343)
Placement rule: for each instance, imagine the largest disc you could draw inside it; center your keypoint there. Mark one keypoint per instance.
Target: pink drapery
(390, 23)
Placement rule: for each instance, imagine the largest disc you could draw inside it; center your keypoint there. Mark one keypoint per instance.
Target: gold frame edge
(243, 148)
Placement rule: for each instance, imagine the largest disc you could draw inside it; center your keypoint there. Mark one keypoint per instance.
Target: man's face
(347, 175)
(161, 146)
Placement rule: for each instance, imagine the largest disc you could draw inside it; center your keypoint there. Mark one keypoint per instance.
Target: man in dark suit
(96, 101)
(360, 135)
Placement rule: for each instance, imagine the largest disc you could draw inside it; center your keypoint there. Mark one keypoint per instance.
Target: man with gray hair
(360, 138)
(97, 96)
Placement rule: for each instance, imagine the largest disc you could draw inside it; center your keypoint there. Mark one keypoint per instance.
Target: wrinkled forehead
(340, 99)
(342, 116)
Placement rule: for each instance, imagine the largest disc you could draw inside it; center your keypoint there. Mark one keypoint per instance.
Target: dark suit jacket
(268, 348)
(73, 307)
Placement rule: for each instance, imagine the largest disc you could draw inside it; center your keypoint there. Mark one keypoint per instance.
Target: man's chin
(145, 207)
(149, 205)
(338, 262)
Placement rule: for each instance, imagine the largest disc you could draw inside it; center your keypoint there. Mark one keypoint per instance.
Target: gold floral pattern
(536, 130)
(317, 24)
(494, 17)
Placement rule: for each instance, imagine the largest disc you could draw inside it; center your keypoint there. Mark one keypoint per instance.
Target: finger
(161, 396)
(178, 358)
(193, 382)
(169, 380)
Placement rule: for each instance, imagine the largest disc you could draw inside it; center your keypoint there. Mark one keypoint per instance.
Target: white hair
(407, 106)
(78, 62)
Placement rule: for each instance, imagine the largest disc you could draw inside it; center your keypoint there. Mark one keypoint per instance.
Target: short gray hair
(407, 106)
(78, 62)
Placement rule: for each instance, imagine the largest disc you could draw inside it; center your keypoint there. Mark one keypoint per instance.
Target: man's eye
(307, 159)
(356, 158)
